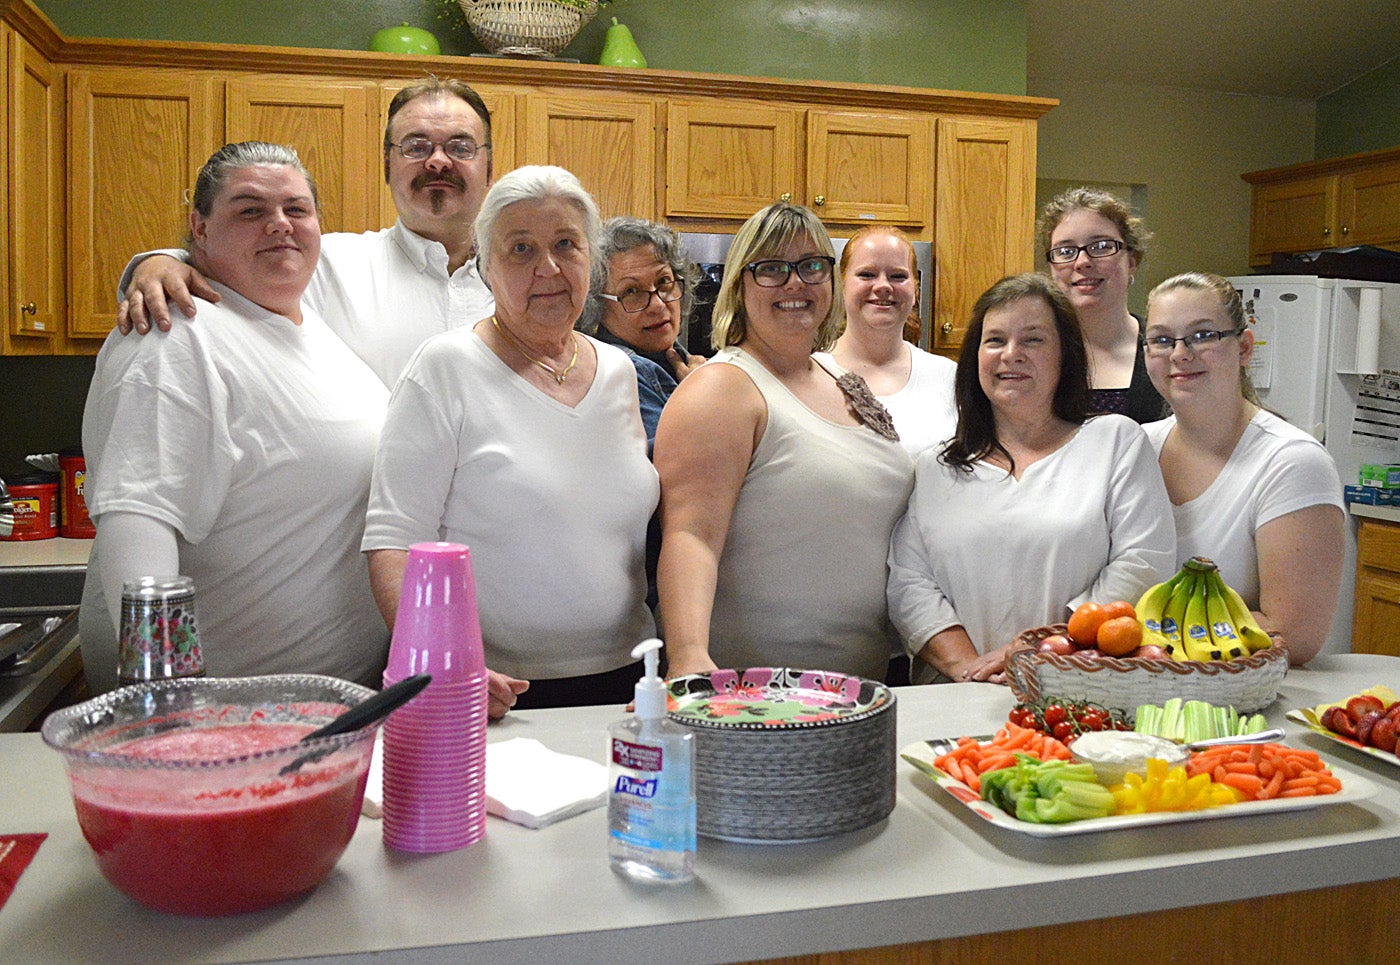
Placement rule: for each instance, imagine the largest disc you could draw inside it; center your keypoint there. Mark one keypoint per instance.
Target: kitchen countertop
(45, 552)
(932, 870)
(1390, 514)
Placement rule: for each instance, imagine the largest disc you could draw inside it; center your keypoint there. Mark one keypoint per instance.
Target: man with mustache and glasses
(383, 292)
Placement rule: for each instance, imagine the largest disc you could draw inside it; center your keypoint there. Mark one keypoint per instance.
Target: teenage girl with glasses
(1094, 246)
(1256, 495)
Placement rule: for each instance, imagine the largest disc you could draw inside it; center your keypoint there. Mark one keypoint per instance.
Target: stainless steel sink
(42, 665)
(39, 590)
(27, 641)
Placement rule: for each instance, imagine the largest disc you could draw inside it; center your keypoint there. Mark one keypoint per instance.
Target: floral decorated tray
(921, 755)
(1309, 720)
(774, 698)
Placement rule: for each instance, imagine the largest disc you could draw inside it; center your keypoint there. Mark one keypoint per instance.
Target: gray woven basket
(1248, 684)
(527, 28)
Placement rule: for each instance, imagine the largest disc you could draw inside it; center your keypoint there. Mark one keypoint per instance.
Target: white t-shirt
(998, 555)
(1276, 469)
(384, 292)
(254, 438)
(924, 412)
(553, 502)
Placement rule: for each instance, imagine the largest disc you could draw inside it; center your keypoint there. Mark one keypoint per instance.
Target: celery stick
(1147, 719)
(1193, 720)
(1170, 727)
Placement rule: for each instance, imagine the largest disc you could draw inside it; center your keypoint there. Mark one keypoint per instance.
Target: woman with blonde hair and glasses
(1257, 495)
(781, 475)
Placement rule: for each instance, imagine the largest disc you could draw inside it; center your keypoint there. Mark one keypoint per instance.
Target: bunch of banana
(1195, 616)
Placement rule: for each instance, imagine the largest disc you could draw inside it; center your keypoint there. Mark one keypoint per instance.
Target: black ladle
(366, 712)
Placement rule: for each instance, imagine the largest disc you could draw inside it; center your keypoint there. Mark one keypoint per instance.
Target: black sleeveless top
(1139, 401)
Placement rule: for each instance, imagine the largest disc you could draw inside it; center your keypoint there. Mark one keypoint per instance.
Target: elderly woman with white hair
(521, 437)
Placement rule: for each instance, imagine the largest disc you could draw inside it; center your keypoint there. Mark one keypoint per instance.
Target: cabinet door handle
(1326, 232)
(1346, 230)
(29, 308)
(947, 328)
(819, 200)
(785, 196)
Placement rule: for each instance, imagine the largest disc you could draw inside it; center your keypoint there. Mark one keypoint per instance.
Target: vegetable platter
(922, 755)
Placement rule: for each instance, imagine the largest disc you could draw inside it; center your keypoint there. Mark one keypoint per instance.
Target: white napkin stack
(526, 783)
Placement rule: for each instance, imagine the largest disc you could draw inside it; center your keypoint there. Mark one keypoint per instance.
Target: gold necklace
(557, 375)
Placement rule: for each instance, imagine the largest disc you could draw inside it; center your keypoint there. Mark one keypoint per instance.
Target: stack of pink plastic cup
(435, 745)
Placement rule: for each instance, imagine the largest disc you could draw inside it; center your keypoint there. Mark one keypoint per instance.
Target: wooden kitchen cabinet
(727, 160)
(1376, 620)
(608, 141)
(137, 139)
(33, 210)
(1352, 200)
(704, 150)
(868, 167)
(334, 126)
(983, 215)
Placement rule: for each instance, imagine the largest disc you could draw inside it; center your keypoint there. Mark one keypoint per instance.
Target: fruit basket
(1248, 684)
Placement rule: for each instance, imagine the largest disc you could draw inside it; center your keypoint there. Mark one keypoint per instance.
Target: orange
(1118, 608)
(1120, 636)
(1084, 624)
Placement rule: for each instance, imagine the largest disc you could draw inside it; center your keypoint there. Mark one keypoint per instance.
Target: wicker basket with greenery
(536, 28)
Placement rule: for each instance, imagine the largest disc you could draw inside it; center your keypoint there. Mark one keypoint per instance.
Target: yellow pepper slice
(1168, 789)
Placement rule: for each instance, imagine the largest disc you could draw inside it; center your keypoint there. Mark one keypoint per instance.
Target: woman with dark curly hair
(640, 302)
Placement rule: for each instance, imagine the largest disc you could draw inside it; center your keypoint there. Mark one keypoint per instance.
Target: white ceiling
(1285, 48)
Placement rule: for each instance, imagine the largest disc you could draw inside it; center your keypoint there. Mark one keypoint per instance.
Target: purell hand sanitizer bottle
(651, 797)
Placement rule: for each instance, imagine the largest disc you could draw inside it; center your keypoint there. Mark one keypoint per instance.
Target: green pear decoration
(619, 49)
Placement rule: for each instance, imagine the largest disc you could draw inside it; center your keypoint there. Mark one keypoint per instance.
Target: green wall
(1362, 116)
(976, 45)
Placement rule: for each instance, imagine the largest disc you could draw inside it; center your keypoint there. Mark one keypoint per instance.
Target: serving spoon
(1259, 737)
(366, 712)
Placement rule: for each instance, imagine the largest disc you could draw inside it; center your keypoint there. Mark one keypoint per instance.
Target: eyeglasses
(418, 148)
(637, 299)
(1102, 248)
(1195, 342)
(773, 273)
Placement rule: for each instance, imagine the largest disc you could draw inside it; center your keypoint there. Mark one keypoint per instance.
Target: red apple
(1150, 652)
(1056, 643)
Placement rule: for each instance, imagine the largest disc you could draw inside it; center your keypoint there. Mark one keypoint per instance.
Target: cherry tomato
(1054, 715)
(1063, 731)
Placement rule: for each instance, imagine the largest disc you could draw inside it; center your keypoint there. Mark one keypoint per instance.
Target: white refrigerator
(1327, 359)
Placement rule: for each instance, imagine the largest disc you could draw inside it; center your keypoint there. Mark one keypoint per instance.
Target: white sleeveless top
(802, 577)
